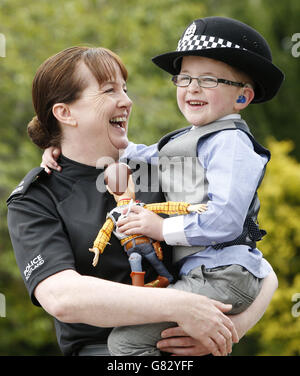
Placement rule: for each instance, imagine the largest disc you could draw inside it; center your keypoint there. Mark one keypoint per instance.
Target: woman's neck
(91, 155)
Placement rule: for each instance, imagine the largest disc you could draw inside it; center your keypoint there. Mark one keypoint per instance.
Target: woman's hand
(49, 158)
(142, 221)
(215, 336)
(207, 323)
(178, 343)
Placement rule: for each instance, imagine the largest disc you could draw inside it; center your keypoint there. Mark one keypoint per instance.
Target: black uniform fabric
(53, 221)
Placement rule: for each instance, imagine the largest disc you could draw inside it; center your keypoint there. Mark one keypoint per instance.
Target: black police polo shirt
(53, 220)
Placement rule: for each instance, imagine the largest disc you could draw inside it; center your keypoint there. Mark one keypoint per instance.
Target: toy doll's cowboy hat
(233, 43)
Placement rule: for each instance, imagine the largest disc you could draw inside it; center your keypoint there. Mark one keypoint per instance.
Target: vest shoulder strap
(215, 127)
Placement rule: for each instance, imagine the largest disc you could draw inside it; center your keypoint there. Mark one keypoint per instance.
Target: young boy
(220, 66)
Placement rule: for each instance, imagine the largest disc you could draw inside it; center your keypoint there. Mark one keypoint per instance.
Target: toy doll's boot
(137, 278)
(159, 282)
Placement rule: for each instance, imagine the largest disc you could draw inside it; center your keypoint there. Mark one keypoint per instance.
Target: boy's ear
(248, 93)
(62, 113)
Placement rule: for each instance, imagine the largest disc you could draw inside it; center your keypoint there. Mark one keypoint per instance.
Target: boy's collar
(231, 116)
(227, 117)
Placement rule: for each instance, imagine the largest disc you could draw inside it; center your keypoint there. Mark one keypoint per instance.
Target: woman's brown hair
(55, 82)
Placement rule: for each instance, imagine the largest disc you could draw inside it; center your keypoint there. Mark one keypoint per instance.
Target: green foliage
(275, 334)
(138, 30)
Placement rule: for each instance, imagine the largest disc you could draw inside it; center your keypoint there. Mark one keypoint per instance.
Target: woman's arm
(177, 342)
(73, 298)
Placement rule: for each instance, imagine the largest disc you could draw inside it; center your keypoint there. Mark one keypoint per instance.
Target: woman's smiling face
(102, 111)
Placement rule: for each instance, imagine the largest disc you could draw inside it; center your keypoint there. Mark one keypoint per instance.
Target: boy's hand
(49, 158)
(142, 221)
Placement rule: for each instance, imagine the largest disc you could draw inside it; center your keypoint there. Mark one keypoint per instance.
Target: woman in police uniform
(81, 105)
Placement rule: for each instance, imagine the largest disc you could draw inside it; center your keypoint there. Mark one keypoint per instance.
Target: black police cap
(233, 43)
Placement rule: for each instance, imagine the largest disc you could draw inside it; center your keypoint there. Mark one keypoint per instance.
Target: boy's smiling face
(201, 106)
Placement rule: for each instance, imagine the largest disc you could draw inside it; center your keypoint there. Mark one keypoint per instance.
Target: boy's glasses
(184, 80)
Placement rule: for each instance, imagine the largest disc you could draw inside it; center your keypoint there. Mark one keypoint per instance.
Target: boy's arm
(145, 153)
(140, 152)
(143, 220)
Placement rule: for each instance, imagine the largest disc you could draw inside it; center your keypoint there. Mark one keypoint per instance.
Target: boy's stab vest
(183, 178)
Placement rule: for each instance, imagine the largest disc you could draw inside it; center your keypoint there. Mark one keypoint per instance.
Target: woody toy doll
(119, 182)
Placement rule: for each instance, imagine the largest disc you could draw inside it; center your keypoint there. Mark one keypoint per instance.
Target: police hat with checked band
(233, 43)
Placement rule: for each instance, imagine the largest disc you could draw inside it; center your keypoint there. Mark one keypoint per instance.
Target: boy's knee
(115, 343)
(133, 341)
(123, 342)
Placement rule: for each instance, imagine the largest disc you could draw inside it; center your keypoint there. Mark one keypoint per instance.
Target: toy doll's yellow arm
(172, 207)
(168, 207)
(102, 239)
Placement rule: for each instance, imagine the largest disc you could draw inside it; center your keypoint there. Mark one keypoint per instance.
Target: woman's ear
(62, 113)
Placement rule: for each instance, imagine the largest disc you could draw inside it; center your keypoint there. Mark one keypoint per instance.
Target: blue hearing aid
(241, 99)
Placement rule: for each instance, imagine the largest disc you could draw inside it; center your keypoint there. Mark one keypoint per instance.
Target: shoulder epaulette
(23, 186)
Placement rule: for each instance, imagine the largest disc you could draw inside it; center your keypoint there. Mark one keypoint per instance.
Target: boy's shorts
(231, 284)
